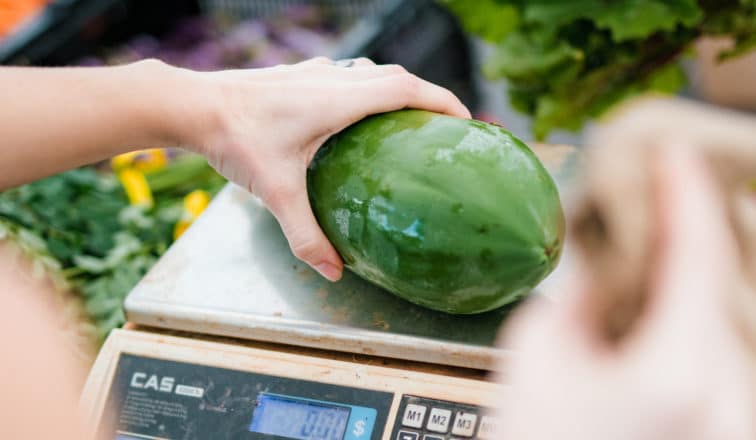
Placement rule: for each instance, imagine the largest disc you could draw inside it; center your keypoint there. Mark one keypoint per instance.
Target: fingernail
(328, 270)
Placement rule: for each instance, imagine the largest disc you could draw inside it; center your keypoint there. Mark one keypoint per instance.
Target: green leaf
(527, 56)
(491, 20)
(625, 19)
(125, 246)
(91, 264)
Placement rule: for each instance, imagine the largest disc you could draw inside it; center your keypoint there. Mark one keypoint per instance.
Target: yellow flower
(144, 160)
(136, 187)
(194, 203)
(180, 228)
(151, 160)
(122, 161)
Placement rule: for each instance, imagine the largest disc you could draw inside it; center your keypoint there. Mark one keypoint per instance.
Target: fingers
(696, 253)
(383, 88)
(390, 87)
(315, 62)
(328, 73)
(291, 208)
(402, 91)
(363, 61)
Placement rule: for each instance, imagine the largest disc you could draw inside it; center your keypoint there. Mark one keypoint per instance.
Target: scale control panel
(431, 419)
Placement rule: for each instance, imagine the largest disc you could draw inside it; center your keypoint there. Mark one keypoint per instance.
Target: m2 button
(414, 415)
(407, 435)
(439, 420)
(464, 424)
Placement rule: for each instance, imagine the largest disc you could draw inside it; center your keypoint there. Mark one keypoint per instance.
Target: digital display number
(299, 419)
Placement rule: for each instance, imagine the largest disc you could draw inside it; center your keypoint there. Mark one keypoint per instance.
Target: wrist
(180, 108)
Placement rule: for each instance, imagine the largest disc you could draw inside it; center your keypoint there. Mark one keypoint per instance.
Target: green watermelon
(452, 214)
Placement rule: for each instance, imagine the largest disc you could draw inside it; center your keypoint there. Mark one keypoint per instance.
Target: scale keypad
(431, 419)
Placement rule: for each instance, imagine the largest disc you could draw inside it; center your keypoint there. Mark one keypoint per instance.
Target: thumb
(306, 240)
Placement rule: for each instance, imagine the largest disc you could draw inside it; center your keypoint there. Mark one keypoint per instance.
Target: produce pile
(97, 230)
(568, 61)
(203, 43)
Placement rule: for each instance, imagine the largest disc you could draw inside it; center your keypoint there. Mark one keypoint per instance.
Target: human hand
(268, 124)
(683, 371)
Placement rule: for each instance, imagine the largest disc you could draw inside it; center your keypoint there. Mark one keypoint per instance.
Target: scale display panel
(160, 399)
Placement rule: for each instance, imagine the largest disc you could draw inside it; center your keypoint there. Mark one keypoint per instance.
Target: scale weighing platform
(231, 337)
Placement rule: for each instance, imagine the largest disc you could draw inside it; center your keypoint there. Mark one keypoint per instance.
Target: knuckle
(152, 63)
(276, 196)
(322, 60)
(304, 247)
(409, 85)
(395, 69)
(364, 60)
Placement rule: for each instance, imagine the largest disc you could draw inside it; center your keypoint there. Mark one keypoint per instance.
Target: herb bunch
(568, 61)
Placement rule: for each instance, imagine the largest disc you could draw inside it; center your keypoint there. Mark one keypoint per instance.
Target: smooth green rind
(452, 214)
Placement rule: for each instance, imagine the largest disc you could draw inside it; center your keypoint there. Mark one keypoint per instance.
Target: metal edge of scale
(232, 274)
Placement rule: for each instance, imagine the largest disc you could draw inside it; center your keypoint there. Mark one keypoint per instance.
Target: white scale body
(230, 337)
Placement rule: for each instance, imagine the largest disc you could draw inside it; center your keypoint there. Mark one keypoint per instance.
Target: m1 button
(407, 435)
(414, 415)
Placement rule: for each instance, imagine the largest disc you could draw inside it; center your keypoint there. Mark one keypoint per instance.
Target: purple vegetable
(307, 15)
(247, 33)
(308, 43)
(273, 56)
(206, 56)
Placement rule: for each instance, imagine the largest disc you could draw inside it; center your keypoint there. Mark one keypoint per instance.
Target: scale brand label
(143, 381)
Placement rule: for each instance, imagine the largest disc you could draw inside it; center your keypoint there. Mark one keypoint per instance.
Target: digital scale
(231, 337)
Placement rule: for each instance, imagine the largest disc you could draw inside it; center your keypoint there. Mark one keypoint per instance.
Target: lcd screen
(299, 419)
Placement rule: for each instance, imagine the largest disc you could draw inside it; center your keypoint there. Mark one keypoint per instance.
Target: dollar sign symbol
(359, 428)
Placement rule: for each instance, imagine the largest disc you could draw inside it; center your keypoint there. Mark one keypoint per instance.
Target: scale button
(407, 435)
(464, 424)
(489, 428)
(439, 420)
(432, 437)
(414, 415)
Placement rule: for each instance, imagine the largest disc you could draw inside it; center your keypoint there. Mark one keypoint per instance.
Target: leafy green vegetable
(79, 224)
(569, 61)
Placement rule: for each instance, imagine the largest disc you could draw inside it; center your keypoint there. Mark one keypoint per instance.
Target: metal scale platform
(230, 336)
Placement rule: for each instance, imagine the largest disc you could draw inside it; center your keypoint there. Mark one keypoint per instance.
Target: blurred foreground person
(653, 334)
